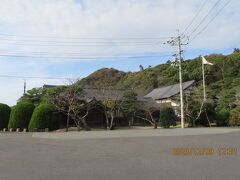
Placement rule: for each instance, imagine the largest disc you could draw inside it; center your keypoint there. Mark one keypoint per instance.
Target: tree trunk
(111, 123)
(130, 122)
(193, 123)
(107, 122)
(155, 124)
(68, 118)
(86, 127)
(78, 125)
(133, 121)
(209, 123)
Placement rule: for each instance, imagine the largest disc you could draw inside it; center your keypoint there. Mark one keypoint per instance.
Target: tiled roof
(168, 91)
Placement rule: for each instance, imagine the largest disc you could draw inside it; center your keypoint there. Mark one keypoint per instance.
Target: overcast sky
(103, 33)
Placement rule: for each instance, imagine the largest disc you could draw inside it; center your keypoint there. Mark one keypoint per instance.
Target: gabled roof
(168, 91)
(101, 94)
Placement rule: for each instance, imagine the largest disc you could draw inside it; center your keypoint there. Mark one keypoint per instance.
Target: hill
(222, 79)
(110, 76)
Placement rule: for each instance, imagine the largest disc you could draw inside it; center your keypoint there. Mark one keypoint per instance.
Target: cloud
(32, 21)
(116, 19)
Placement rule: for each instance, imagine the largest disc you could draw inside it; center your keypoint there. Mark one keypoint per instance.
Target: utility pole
(24, 87)
(177, 41)
(180, 81)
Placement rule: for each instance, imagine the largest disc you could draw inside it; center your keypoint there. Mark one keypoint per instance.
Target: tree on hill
(141, 67)
(33, 96)
(109, 75)
(236, 50)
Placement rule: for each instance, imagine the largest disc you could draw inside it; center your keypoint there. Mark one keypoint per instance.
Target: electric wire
(78, 54)
(32, 77)
(85, 37)
(81, 57)
(205, 17)
(214, 17)
(81, 45)
(195, 17)
(79, 42)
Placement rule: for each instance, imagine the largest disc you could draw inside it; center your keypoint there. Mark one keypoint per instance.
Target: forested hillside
(222, 79)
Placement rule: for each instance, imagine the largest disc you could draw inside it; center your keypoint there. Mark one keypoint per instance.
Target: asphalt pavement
(128, 155)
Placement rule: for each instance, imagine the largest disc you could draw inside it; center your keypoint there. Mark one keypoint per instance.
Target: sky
(73, 38)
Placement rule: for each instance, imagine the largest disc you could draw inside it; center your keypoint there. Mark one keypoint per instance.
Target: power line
(32, 77)
(85, 37)
(79, 41)
(74, 54)
(83, 45)
(82, 42)
(214, 17)
(92, 39)
(195, 17)
(205, 17)
(22, 42)
(80, 57)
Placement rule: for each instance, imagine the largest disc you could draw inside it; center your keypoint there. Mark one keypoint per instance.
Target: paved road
(142, 158)
(126, 133)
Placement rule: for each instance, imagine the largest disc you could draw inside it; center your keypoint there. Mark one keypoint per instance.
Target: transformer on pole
(177, 41)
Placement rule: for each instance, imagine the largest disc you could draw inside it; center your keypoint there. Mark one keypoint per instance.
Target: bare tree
(112, 108)
(150, 113)
(110, 101)
(196, 107)
(70, 100)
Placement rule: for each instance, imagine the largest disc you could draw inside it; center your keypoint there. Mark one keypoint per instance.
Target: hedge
(20, 115)
(234, 117)
(222, 117)
(44, 117)
(167, 117)
(4, 115)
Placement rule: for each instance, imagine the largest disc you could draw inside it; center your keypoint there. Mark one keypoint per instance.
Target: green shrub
(4, 115)
(167, 117)
(44, 117)
(222, 117)
(234, 117)
(20, 115)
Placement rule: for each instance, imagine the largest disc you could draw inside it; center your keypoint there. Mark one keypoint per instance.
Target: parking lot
(121, 155)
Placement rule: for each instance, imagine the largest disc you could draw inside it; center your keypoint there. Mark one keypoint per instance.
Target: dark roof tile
(168, 91)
